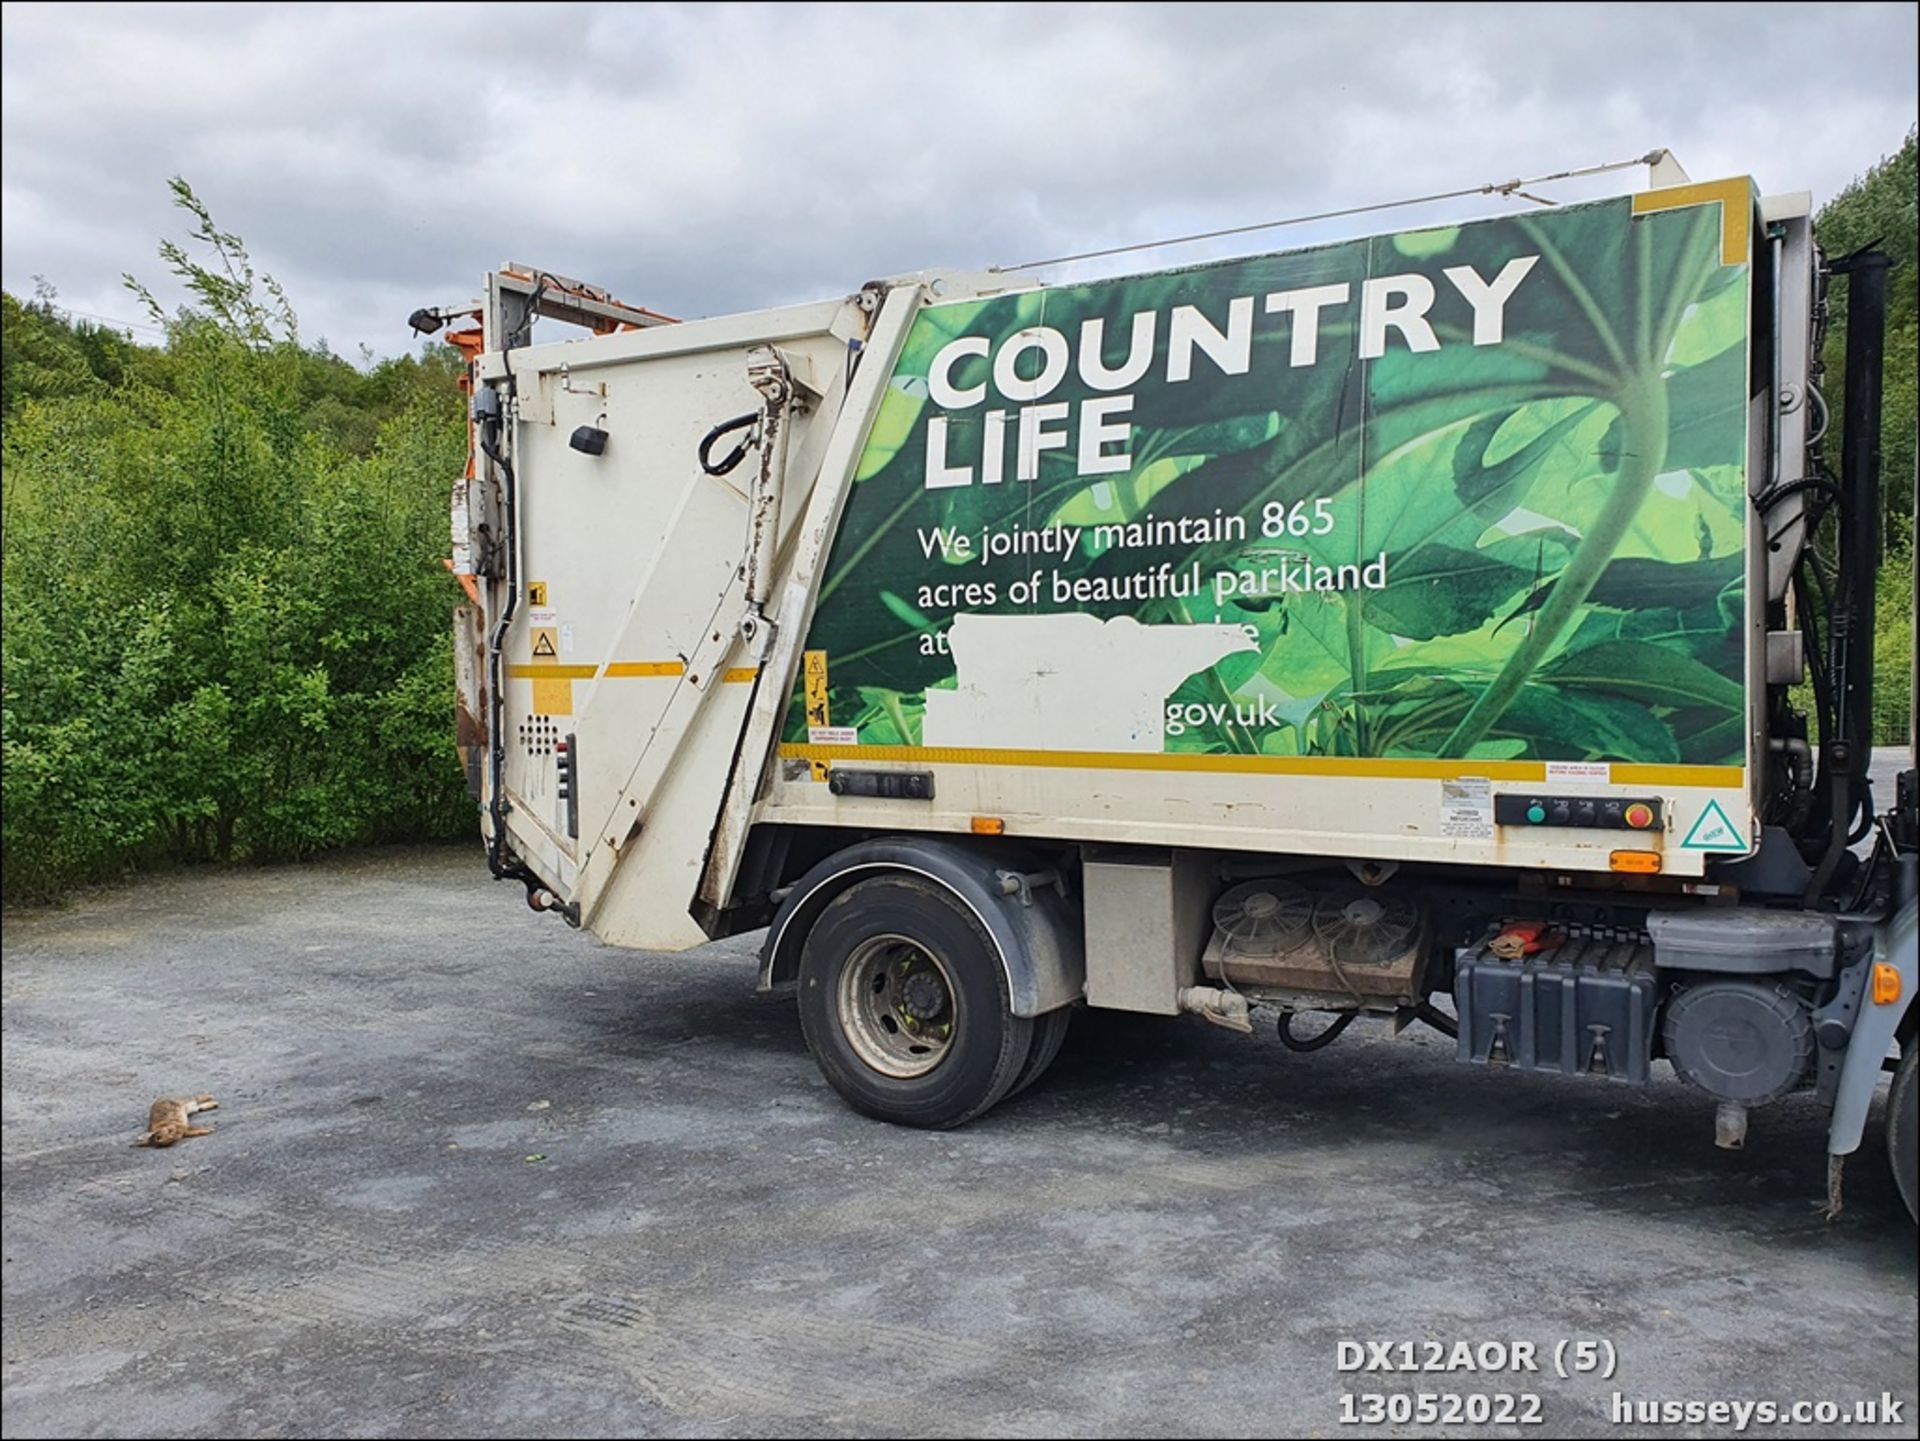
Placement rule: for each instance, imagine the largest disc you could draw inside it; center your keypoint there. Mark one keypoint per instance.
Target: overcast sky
(707, 159)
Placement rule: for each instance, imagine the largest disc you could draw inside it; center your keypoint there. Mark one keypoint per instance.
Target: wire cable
(1504, 188)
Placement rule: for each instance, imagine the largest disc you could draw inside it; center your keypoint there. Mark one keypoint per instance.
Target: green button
(1536, 813)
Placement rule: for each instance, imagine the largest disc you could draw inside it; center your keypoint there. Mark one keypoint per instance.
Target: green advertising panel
(1474, 493)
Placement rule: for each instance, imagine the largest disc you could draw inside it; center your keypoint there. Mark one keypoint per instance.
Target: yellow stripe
(627, 668)
(1736, 209)
(1170, 761)
(1722, 777)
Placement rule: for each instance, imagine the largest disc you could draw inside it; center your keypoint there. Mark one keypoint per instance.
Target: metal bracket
(1014, 883)
(1663, 170)
(768, 373)
(574, 301)
(1373, 873)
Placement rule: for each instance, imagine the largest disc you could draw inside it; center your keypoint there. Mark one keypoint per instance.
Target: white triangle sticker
(1713, 831)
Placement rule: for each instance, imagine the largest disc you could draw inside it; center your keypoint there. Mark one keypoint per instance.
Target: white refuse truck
(1412, 629)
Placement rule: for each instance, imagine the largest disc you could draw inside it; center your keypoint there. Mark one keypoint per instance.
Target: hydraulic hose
(739, 452)
(1313, 1043)
(496, 679)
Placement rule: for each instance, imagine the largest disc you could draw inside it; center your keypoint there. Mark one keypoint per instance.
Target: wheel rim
(897, 1006)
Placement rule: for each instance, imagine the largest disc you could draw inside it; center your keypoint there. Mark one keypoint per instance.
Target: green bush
(1880, 209)
(1893, 648)
(226, 618)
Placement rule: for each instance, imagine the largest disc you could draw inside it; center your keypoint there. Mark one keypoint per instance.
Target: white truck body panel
(629, 640)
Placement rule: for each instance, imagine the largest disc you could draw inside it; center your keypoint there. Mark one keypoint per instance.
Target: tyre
(904, 1004)
(1049, 1033)
(1903, 1123)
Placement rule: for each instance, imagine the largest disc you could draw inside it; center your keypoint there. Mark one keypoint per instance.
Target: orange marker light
(1886, 984)
(989, 826)
(1638, 863)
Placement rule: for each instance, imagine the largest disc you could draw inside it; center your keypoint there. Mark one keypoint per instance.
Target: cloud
(707, 159)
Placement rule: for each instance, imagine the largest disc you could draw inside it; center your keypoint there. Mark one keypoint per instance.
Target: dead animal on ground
(167, 1121)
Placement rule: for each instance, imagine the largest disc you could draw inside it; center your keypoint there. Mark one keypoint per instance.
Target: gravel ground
(477, 1174)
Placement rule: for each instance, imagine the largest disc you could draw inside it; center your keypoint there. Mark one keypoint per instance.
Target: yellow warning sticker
(536, 592)
(813, 667)
(553, 697)
(552, 683)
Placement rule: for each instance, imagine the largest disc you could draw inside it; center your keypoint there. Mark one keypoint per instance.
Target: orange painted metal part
(466, 581)
(469, 343)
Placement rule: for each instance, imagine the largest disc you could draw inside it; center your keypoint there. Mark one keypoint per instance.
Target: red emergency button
(1639, 815)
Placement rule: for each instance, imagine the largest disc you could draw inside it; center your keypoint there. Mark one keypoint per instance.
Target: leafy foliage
(225, 614)
(1882, 208)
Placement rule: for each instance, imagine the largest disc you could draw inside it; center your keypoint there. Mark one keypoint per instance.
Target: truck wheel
(904, 1004)
(1049, 1033)
(1903, 1128)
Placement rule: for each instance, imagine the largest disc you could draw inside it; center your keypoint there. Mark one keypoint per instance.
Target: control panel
(1607, 813)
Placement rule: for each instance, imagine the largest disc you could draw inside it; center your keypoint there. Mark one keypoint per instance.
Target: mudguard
(1035, 929)
(1894, 944)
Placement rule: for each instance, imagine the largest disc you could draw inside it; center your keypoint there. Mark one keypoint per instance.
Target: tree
(225, 615)
(1880, 209)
